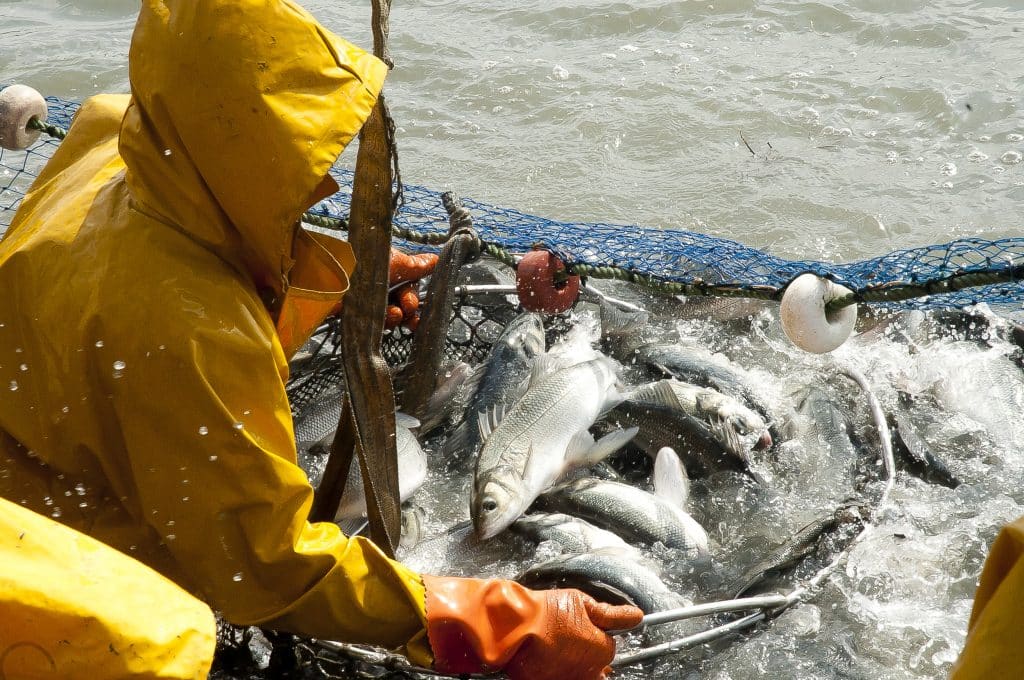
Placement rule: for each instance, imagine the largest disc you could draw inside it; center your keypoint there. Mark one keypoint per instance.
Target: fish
(414, 519)
(801, 545)
(607, 576)
(412, 472)
(695, 366)
(730, 420)
(542, 436)
(842, 444)
(669, 477)
(571, 534)
(913, 454)
(631, 513)
(455, 378)
(659, 426)
(500, 381)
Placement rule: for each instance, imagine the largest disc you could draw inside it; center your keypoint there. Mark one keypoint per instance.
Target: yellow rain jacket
(154, 283)
(75, 608)
(995, 641)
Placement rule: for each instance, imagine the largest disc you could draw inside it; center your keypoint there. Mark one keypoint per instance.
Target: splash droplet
(99, 343)
(237, 577)
(118, 365)
(14, 386)
(213, 459)
(239, 426)
(203, 430)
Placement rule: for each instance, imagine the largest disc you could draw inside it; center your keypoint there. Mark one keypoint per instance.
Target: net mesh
(670, 255)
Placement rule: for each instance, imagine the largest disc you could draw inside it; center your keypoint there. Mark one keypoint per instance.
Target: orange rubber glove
(404, 301)
(482, 626)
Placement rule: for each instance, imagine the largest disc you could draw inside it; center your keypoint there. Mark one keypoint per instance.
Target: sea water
(810, 129)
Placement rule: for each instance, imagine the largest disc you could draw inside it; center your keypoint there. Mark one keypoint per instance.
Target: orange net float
(543, 285)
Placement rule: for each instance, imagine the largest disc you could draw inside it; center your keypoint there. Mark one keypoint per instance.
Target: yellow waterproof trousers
(72, 607)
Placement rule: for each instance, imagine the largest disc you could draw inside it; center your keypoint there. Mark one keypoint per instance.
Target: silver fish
(501, 380)
(412, 472)
(632, 513)
(696, 366)
(735, 425)
(694, 439)
(571, 534)
(542, 436)
(452, 383)
(913, 454)
(847, 517)
(606, 576)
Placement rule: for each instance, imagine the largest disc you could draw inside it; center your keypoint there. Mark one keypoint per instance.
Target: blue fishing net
(672, 255)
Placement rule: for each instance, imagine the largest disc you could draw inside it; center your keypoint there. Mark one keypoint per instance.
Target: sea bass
(502, 379)
(571, 534)
(705, 448)
(412, 472)
(542, 436)
(632, 513)
(735, 425)
(696, 366)
(607, 576)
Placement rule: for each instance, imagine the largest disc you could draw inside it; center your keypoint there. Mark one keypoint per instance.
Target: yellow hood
(231, 139)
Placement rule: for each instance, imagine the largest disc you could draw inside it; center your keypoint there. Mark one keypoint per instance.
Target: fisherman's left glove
(403, 282)
(482, 626)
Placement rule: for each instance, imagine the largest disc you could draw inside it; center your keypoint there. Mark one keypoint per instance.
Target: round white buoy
(805, 320)
(19, 104)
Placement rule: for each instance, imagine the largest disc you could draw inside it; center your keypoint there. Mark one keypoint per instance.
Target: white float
(19, 104)
(805, 320)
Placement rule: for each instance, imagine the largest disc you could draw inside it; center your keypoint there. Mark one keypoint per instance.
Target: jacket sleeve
(208, 436)
(993, 648)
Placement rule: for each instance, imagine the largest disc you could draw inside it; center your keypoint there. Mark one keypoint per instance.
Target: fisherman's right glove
(482, 626)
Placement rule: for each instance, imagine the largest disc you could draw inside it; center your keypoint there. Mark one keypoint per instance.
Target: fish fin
(474, 374)
(488, 421)
(353, 526)
(577, 452)
(583, 450)
(497, 415)
(612, 398)
(542, 367)
(660, 393)
(483, 424)
(725, 433)
(456, 440)
(405, 420)
(616, 321)
(670, 479)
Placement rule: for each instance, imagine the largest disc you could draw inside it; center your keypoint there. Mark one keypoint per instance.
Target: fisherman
(155, 282)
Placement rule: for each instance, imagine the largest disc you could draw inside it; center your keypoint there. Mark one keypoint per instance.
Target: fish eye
(489, 505)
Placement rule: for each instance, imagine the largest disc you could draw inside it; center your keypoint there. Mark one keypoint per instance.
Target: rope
(52, 130)
(889, 293)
